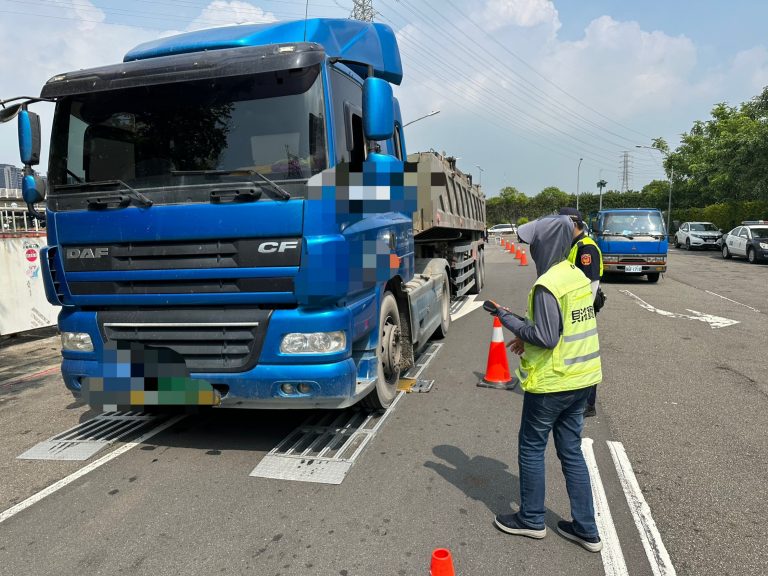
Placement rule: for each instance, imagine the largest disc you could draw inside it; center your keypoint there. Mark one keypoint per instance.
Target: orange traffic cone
(503, 244)
(497, 374)
(442, 563)
(518, 254)
(524, 259)
(510, 248)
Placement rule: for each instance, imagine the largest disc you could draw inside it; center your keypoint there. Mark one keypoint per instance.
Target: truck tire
(654, 277)
(388, 354)
(479, 275)
(445, 309)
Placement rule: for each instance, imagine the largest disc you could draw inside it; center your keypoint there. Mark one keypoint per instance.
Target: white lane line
(729, 300)
(712, 320)
(657, 554)
(35, 498)
(470, 304)
(613, 558)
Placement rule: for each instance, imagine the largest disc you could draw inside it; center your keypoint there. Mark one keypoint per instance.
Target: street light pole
(480, 180)
(422, 117)
(671, 179)
(578, 181)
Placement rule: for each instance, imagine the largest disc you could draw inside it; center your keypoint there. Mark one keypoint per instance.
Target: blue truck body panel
(349, 40)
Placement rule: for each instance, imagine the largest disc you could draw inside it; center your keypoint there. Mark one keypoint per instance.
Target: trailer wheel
(389, 353)
(479, 275)
(445, 309)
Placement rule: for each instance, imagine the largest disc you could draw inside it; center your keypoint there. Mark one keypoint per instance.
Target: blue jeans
(563, 414)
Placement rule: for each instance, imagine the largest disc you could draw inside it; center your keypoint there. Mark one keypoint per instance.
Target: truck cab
(231, 221)
(632, 241)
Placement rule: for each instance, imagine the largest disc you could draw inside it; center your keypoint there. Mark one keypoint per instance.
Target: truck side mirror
(378, 109)
(32, 187)
(29, 138)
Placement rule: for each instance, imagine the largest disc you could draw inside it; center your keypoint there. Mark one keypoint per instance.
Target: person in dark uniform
(586, 256)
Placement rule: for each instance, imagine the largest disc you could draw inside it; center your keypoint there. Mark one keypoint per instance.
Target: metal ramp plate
(324, 448)
(86, 439)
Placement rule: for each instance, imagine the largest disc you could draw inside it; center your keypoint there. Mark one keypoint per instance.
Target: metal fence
(17, 221)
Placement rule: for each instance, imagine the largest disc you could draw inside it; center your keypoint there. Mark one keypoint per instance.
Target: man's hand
(517, 346)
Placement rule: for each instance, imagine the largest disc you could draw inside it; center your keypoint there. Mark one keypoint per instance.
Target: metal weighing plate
(324, 448)
(86, 439)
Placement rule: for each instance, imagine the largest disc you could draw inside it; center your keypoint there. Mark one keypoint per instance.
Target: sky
(525, 88)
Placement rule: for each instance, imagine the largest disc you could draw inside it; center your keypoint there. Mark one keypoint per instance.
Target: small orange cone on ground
(442, 563)
(518, 254)
(524, 259)
(497, 374)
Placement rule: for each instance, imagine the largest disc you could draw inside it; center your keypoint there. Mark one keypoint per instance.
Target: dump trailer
(232, 220)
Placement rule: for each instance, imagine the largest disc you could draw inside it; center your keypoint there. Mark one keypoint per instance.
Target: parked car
(749, 240)
(697, 235)
(502, 229)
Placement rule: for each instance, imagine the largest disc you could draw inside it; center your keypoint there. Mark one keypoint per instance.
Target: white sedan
(697, 235)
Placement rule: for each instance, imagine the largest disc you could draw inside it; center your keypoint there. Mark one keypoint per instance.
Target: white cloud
(223, 13)
(522, 13)
(623, 69)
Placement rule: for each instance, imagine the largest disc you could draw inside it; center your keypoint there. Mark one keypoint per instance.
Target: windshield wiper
(123, 195)
(274, 186)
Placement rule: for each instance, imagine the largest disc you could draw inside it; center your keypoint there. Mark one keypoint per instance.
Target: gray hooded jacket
(550, 241)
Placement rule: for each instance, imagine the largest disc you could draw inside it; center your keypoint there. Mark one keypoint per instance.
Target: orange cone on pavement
(524, 259)
(497, 374)
(442, 563)
(518, 254)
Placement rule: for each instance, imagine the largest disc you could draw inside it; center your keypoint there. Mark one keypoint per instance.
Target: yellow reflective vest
(582, 242)
(575, 362)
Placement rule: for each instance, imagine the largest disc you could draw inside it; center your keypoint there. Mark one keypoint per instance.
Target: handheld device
(490, 306)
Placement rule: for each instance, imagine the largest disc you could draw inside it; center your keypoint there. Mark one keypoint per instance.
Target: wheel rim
(725, 252)
(751, 255)
(391, 351)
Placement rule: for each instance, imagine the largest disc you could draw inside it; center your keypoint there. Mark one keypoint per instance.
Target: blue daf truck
(632, 240)
(233, 220)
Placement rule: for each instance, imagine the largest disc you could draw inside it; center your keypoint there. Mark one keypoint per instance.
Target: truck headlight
(313, 342)
(611, 259)
(76, 341)
(763, 245)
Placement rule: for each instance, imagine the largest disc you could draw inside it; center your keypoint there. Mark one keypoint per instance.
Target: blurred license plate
(633, 269)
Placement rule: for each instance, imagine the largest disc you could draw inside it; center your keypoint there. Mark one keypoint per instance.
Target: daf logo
(87, 252)
(272, 247)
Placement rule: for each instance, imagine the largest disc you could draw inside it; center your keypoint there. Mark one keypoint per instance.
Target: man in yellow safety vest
(587, 257)
(560, 361)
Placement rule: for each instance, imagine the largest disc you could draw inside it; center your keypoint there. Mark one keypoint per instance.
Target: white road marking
(712, 320)
(468, 305)
(729, 300)
(657, 554)
(35, 498)
(613, 558)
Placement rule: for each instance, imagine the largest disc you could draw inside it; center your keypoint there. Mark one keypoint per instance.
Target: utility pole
(578, 180)
(362, 10)
(600, 185)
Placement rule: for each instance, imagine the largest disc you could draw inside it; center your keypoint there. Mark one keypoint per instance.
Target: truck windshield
(272, 124)
(633, 223)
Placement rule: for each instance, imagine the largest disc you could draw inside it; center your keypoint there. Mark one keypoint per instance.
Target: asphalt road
(689, 403)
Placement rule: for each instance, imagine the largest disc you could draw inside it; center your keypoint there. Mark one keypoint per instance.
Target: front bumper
(334, 385)
(702, 243)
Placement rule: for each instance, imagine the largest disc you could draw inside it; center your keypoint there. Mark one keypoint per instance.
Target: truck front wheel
(389, 353)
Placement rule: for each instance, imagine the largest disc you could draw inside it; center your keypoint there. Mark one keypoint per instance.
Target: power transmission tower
(363, 10)
(625, 171)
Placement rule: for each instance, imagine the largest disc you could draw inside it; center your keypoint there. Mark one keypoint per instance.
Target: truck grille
(223, 340)
(209, 285)
(235, 253)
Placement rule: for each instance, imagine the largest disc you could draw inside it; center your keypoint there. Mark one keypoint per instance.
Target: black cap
(574, 214)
